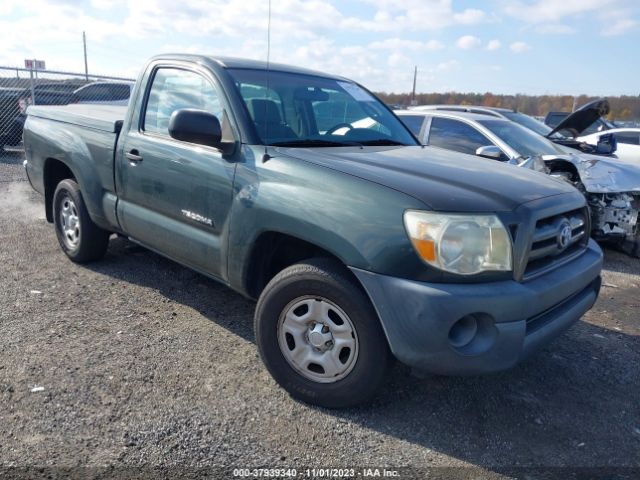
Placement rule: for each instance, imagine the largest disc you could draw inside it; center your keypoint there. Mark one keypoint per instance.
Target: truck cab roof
(244, 63)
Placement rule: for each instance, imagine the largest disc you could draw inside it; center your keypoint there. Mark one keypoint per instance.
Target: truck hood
(582, 118)
(443, 180)
(601, 174)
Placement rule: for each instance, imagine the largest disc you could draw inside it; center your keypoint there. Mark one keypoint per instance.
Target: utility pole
(31, 82)
(86, 68)
(413, 92)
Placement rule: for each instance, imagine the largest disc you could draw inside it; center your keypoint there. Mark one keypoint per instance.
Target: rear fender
(87, 153)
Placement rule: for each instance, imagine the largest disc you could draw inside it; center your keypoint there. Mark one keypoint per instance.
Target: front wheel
(319, 336)
(80, 239)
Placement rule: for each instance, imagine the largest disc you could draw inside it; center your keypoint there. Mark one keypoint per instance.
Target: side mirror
(607, 144)
(489, 151)
(196, 126)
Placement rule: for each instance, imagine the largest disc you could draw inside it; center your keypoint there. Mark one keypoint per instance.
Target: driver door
(174, 196)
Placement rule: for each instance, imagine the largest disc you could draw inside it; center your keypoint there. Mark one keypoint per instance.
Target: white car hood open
(603, 175)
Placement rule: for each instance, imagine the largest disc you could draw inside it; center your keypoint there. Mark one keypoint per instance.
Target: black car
(112, 93)
(8, 110)
(587, 119)
(14, 103)
(553, 119)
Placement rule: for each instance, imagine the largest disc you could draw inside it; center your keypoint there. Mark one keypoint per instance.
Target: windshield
(528, 122)
(302, 110)
(522, 140)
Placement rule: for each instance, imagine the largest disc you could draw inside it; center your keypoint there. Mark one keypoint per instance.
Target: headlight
(461, 244)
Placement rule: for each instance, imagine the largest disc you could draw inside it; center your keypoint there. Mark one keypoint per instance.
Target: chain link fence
(21, 87)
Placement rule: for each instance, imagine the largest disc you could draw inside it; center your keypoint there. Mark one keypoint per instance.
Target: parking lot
(137, 361)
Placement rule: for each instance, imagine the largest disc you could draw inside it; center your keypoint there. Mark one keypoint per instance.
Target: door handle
(133, 156)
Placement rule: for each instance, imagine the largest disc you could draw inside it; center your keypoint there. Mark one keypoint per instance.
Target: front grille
(552, 245)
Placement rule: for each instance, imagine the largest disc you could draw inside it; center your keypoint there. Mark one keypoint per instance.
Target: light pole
(86, 68)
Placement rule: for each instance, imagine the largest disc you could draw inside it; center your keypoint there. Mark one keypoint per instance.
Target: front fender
(601, 174)
(358, 221)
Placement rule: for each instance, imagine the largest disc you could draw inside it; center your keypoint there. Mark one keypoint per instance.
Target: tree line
(622, 107)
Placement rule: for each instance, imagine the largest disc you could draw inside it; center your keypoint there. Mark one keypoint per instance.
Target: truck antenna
(266, 155)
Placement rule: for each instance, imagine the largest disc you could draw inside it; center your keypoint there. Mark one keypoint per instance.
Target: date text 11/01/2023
(315, 473)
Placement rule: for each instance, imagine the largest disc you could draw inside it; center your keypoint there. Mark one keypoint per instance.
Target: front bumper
(460, 329)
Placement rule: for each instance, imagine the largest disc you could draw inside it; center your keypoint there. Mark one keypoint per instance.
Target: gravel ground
(136, 361)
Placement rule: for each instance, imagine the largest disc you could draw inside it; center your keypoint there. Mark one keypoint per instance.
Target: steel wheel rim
(69, 222)
(317, 339)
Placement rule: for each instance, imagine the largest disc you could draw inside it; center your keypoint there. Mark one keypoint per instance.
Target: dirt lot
(136, 361)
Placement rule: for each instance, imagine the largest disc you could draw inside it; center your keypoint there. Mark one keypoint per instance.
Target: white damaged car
(627, 142)
(611, 185)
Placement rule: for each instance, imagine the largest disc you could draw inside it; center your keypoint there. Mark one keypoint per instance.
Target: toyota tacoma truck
(360, 245)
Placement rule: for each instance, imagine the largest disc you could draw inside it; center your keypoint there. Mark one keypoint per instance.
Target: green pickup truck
(303, 191)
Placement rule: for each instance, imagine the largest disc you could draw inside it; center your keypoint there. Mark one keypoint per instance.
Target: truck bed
(106, 118)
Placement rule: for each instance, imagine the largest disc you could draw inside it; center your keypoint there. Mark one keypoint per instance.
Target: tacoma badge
(197, 217)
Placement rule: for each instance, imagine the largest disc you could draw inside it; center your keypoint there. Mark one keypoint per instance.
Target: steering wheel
(338, 126)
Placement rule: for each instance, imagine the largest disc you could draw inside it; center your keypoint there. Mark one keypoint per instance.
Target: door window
(94, 93)
(120, 92)
(628, 138)
(455, 135)
(103, 92)
(174, 89)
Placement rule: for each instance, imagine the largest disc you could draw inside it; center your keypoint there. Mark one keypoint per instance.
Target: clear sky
(521, 46)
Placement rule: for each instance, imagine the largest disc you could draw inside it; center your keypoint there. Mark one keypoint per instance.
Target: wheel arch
(54, 171)
(273, 251)
(558, 165)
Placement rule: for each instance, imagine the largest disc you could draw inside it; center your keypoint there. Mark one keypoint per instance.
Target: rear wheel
(80, 239)
(319, 336)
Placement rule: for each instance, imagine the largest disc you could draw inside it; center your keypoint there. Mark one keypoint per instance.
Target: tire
(80, 239)
(341, 330)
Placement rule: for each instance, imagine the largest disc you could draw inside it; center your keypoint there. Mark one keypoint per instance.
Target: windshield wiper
(314, 142)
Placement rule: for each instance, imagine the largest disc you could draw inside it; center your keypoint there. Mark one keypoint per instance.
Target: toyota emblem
(564, 236)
